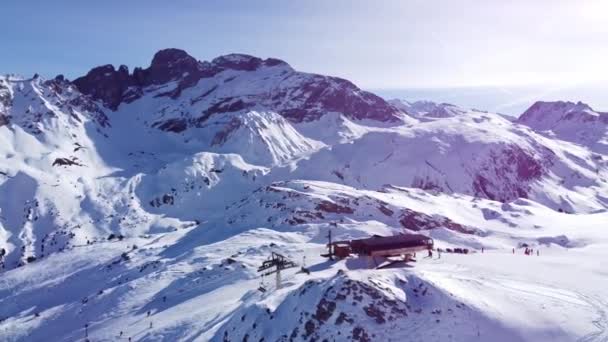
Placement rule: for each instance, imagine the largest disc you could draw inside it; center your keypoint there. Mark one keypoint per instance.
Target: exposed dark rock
(168, 65)
(221, 136)
(310, 98)
(66, 162)
(237, 62)
(331, 207)
(172, 125)
(325, 309)
(359, 334)
(165, 199)
(224, 106)
(110, 86)
(414, 220)
(506, 162)
(106, 84)
(5, 101)
(4, 120)
(385, 210)
(322, 94)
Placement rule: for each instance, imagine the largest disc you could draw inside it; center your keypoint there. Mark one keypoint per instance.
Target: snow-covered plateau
(138, 206)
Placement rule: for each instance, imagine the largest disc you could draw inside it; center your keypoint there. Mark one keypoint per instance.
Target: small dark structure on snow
(387, 246)
(278, 262)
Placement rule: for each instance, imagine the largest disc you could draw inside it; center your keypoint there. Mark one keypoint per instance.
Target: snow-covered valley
(140, 205)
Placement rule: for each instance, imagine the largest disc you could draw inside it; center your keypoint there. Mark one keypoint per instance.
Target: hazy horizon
(510, 100)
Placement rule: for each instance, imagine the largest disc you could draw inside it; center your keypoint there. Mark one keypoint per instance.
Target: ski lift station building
(384, 246)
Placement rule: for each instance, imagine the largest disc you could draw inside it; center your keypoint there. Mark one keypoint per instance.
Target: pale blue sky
(376, 44)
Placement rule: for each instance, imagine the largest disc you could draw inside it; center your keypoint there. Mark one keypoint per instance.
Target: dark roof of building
(391, 242)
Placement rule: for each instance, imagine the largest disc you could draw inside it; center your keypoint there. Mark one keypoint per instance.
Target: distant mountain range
(509, 100)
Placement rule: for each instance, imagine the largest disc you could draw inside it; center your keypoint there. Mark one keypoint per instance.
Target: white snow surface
(198, 210)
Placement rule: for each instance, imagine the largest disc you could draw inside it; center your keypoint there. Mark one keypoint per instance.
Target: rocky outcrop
(296, 96)
(417, 221)
(4, 120)
(321, 94)
(507, 174)
(339, 308)
(5, 103)
(105, 84)
(66, 162)
(112, 87)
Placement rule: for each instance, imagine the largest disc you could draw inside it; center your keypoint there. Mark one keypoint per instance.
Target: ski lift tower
(279, 263)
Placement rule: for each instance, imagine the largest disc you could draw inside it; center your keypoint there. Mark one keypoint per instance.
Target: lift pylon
(279, 263)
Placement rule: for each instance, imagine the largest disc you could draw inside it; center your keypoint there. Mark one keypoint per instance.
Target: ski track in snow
(601, 308)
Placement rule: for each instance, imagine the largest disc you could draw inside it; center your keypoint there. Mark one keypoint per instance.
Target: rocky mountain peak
(297, 96)
(554, 111)
(547, 115)
(105, 83)
(168, 65)
(243, 62)
(170, 57)
(557, 107)
(570, 121)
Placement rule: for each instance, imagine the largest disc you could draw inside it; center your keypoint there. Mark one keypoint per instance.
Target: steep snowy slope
(575, 122)
(47, 165)
(476, 153)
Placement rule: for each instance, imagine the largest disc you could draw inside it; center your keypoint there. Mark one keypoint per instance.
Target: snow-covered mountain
(422, 109)
(143, 202)
(575, 122)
